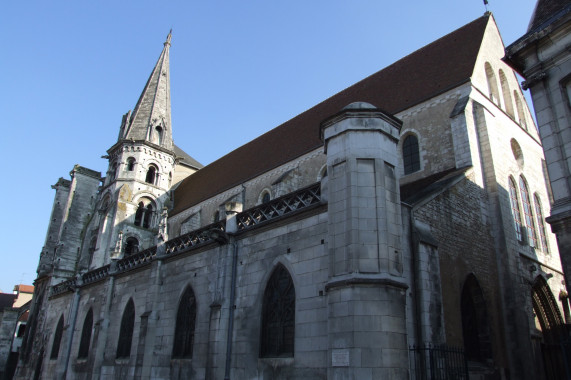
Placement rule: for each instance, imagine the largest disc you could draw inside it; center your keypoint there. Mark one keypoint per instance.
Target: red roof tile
(438, 67)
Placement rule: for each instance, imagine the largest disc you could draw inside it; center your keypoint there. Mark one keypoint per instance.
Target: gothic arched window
(278, 315)
(131, 246)
(506, 94)
(492, 83)
(516, 213)
(148, 215)
(85, 340)
(57, 339)
(185, 321)
(151, 175)
(410, 154)
(528, 213)
(475, 328)
(130, 164)
(126, 331)
(540, 223)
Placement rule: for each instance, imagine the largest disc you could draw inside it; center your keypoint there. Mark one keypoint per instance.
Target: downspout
(415, 283)
(232, 209)
(74, 311)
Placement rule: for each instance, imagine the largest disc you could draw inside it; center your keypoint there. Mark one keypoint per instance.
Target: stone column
(366, 291)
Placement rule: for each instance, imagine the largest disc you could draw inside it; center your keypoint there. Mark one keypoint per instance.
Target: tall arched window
(506, 94)
(278, 315)
(126, 331)
(131, 246)
(540, 223)
(184, 329)
(130, 164)
(475, 328)
(528, 213)
(516, 213)
(151, 175)
(519, 108)
(85, 340)
(57, 339)
(410, 154)
(492, 83)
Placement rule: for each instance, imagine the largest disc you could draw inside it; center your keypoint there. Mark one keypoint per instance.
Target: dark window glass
(57, 339)
(525, 200)
(266, 198)
(184, 330)
(132, 246)
(126, 331)
(410, 154)
(131, 164)
(148, 215)
(86, 335)
(278, 315)
(515, 208)
(21, 330)
(139, 214)
(475, 328)
(540, 223)
(151, 174)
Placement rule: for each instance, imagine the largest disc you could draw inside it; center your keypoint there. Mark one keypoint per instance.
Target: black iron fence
(438, 362)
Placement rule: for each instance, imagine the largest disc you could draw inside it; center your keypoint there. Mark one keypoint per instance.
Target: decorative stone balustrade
(277, 208)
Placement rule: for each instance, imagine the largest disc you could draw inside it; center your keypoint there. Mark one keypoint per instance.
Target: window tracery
(278, 315)
(185, 323)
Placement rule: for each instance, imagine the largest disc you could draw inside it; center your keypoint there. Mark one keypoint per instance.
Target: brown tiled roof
(438, 67)
(6, 300)
(544, 10)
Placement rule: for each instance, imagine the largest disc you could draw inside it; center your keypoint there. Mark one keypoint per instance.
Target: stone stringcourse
(286, 205)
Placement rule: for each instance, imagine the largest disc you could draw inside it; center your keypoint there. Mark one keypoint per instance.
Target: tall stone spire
(151, 119)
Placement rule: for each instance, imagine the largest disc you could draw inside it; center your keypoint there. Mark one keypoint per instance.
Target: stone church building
(392, 231)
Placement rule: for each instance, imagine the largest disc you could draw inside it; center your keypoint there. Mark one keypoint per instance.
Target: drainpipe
(73, 313)
(232, 208)
(415, 280)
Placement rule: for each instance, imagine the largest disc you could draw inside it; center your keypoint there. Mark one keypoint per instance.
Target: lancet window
(411, 154)
(540, 223)
(85, 340)
(131, 164)
(278, 315)
(516, 213)
(57, 339)
(185, 322)
(126, 331)
(528, 213)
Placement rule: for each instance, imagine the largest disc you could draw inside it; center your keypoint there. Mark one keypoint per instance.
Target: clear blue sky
(71, 69)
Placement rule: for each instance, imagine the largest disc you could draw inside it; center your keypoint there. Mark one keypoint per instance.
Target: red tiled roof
(24, 288)
(438, 67)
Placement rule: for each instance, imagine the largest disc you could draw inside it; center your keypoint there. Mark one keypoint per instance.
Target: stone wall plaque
(340, 358)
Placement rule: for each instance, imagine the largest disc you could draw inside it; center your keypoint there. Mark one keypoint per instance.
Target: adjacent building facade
(542, 56)
(403, 216)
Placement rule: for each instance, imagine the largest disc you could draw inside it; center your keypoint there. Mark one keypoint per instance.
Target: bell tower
(139, 175)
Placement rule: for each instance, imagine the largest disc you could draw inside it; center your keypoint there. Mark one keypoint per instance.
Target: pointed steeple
(151, 118)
